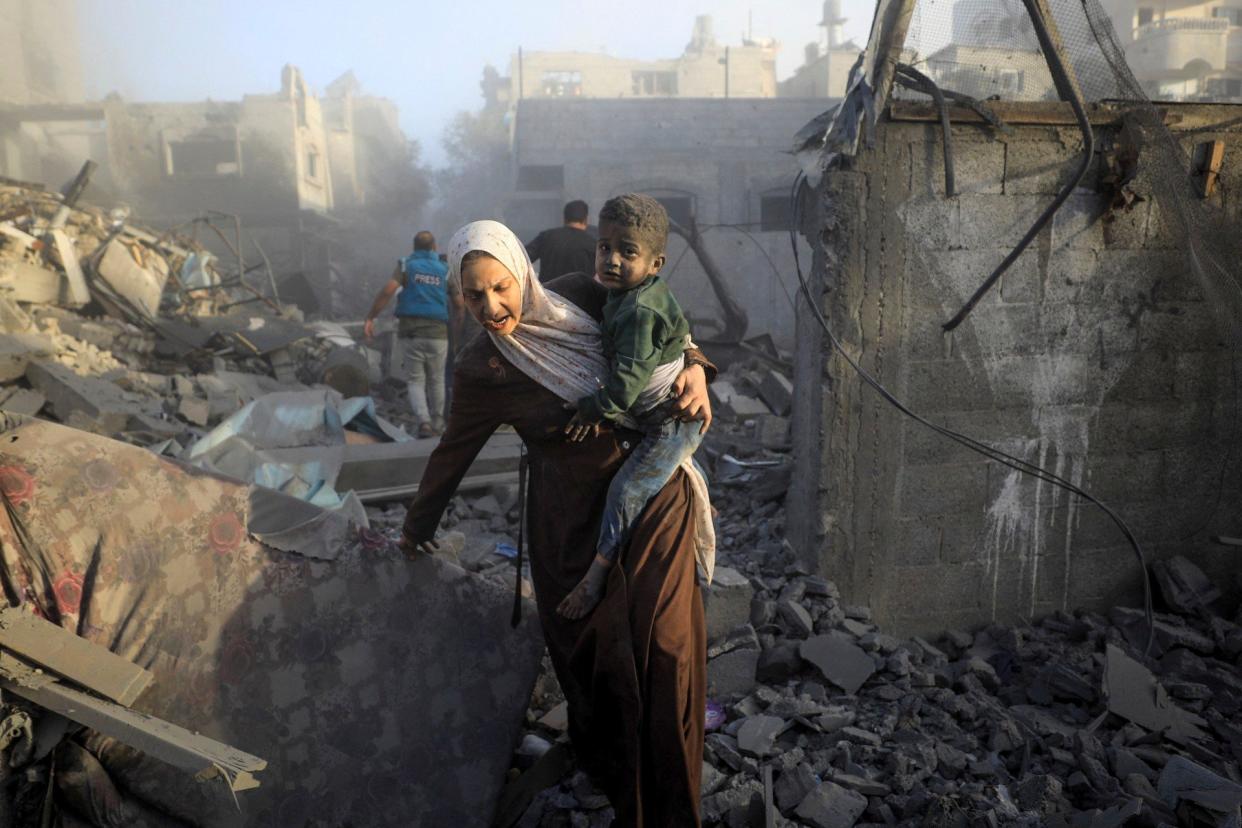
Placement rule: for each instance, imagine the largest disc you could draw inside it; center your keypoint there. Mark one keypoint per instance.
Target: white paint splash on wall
(1062, 381)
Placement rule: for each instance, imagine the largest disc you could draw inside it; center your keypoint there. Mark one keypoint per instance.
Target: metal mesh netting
(988, 48)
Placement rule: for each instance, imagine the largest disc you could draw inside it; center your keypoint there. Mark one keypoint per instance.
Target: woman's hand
(692, 402)
(579, 428)
(412, 547)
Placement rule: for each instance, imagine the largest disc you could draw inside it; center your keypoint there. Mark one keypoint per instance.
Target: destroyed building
(283, 173)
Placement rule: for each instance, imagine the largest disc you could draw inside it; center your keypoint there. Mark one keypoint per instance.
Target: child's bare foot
(589, 590)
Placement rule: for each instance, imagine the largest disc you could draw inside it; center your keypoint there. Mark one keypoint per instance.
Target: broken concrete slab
(758, 734)
(391, 471)
(796, 618)
(138, 286)
(1185, 781)
(95, 402)
(794, 785)
(773, 433)
(171, 743)
(1134, 694)
(841, 662)
(779, 664)
(22, 401)
(738, 638)
(195, 410)
(831, 806)
(733, 673)
(24, 281)
(40, 642)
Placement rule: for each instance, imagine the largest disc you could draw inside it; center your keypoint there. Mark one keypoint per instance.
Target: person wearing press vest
(422, 329)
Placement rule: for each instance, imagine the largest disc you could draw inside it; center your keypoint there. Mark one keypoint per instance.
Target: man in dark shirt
(566, 249)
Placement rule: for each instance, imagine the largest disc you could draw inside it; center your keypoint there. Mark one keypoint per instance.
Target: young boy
(644, 334)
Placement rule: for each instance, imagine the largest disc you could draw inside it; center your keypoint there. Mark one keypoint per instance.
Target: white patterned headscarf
(559, 346)
(556, 343)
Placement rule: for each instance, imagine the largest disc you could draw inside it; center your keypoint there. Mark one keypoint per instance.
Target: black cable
(987, 451)
(1059, 74)
(912, 78)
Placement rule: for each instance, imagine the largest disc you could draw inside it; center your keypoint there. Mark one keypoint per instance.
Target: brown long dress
(633, 671)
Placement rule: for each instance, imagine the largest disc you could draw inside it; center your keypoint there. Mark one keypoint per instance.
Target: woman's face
(491, 294)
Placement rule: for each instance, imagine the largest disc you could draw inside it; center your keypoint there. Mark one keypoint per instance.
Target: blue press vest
(423, 293)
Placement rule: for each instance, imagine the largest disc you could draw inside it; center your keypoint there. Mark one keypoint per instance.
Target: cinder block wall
(1097, 357)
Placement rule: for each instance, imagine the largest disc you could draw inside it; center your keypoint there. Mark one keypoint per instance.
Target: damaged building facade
(288, 167)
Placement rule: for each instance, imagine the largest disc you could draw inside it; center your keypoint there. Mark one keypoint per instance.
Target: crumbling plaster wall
(1095, 357)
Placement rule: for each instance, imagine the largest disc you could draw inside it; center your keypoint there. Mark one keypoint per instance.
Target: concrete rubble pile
(116, 329)
(147, 339)
(816, 717)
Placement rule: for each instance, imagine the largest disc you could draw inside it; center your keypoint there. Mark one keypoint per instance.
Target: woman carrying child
(632, 669)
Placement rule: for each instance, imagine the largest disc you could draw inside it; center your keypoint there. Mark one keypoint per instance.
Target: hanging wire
(983, 449)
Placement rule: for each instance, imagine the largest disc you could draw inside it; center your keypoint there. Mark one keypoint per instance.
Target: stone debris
(1063, 722)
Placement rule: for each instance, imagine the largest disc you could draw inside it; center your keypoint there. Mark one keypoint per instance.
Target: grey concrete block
(1045, 165)
(18, 349)
(994, 426)
(22, 401)
(940, 490)
(91, 402)
(942, 280)
(831, 806)
(390, 465)
(732, 674)
(1087, 328)
(839, 660)
(1166, 227)
(776, 390)
(1119, 427)
(1000, 330)
(997, 220)
(727, 602)
(1148, 375)
(918, 541)
(979, 165)
(932, 223)
(947, 385)
(1078, 224)
(1125, 477)
(1196, 374)
(937, 588)
(1185, 326)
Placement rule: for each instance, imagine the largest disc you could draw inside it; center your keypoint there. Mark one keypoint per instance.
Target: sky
(426, 57)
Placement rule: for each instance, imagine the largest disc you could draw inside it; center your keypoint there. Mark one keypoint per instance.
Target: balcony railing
(1182, 24)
